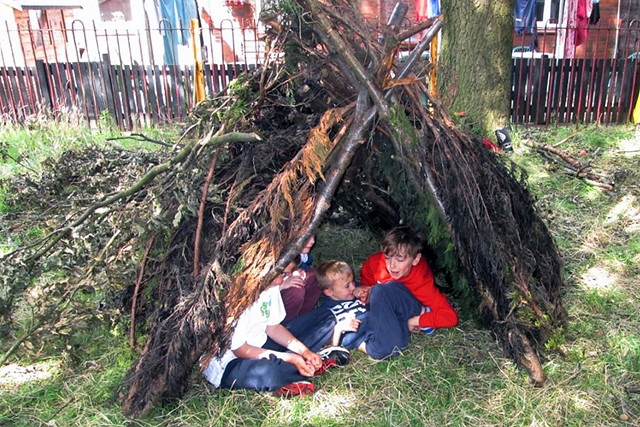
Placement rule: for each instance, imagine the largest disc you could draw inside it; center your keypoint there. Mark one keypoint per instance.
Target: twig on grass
(140, 137)
(572, 166)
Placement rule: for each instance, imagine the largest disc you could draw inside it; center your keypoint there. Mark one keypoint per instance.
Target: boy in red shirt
(399, 277)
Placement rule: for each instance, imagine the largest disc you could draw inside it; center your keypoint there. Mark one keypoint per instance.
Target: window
(549, 12)
(47, 26)
(38, 24)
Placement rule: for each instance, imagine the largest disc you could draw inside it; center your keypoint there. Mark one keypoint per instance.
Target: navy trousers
(314, 329)
(391, 305)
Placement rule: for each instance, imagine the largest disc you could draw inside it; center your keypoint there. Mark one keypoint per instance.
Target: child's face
(342, 289)
(307, 247)
(399, 264)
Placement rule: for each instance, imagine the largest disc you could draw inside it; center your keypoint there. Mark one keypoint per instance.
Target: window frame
(545, 23)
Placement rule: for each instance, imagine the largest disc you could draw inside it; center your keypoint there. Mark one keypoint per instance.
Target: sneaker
(428, 330)
(297, 389)
(340, 354)
(504, 139)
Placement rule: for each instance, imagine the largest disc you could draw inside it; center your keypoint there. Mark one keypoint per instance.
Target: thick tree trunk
(474, 71)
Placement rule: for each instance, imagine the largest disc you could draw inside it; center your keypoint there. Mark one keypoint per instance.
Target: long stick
(136, 290)
(203, 202)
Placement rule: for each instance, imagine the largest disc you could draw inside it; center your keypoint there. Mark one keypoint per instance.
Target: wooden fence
(567, 91)
(133, 95)
(136, 92)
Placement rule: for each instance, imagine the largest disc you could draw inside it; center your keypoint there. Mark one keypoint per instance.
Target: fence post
(42, 81)
(110, 98)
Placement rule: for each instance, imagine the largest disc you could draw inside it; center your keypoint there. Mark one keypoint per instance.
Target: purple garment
(298, 301)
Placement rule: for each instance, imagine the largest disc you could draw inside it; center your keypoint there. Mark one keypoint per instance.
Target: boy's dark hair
(328, 270)
(402, 239)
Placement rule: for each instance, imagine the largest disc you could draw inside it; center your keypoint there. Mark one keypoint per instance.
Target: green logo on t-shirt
(265, 308)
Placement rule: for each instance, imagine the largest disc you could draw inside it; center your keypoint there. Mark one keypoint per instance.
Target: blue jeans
(391, 305)
(314, 329)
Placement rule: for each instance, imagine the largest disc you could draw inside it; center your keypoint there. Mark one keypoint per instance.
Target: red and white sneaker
(326, 364)
(297, 389)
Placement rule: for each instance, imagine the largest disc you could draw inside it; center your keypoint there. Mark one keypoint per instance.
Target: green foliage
(242, 92)
(3, 206)
(106, 121)
(402, 126)
(455, 377)
(24, 149)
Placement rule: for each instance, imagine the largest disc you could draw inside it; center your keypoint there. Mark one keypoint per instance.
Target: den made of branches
(332, 123)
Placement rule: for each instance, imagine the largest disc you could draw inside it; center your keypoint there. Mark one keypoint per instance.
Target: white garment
(251, 329)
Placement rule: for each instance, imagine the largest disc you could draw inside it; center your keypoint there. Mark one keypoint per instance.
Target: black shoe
(504, 139)
(340, 354)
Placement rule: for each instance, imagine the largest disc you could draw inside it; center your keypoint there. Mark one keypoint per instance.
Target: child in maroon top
(300, 292)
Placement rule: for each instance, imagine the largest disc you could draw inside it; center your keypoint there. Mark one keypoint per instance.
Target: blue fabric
(176, 14)
(260, 374)
(524, 13)
(306, 265)
(344, 309)
(391, 305)
(434, 8)
(314, 329)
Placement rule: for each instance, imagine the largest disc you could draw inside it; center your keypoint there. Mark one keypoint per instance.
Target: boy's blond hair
(401, 240)
(329, 271)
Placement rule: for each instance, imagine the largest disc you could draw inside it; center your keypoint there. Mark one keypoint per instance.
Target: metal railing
(142, 77)
(597, 81)
(137, 77)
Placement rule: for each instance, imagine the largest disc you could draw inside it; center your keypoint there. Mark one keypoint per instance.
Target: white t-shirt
(251, 329)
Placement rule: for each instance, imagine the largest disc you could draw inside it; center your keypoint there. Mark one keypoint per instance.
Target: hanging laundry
(426, 9)
(420, 7)
(582, 21)
(433, 8)
(594, 17)
(524, 13)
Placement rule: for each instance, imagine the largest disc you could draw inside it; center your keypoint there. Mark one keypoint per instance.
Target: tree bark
(474, 71)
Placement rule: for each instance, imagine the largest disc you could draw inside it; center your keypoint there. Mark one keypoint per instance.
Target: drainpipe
(615, 48)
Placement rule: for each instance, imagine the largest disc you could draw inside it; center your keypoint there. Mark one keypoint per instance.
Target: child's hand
(304, 368)
(295, 280)
(312, 359)
(362, 293)
(348, 325)
(414, 324)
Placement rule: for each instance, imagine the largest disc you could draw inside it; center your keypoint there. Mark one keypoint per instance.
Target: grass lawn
(454, 377)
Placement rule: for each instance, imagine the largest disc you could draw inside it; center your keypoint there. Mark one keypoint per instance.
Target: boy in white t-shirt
(266, 355)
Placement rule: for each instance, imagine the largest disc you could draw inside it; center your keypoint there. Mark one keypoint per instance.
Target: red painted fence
(128, 77)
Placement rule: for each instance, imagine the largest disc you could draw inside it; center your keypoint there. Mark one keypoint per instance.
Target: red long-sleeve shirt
(420, 283)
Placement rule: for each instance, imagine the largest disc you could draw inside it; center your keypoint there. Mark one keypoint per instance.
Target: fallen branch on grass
(572, 166)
